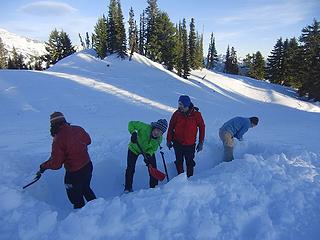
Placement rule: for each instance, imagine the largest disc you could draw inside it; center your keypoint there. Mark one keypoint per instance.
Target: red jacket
(183, 127)
(69, 147)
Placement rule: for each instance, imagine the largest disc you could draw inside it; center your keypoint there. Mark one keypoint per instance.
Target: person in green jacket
(149, 137)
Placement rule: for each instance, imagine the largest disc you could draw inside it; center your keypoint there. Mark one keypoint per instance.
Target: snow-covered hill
(270, 191)
(27, 47)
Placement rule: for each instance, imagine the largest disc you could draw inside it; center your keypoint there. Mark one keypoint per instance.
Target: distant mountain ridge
(26, 46)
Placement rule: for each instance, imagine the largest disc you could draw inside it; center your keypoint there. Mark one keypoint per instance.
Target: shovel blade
(156, 174)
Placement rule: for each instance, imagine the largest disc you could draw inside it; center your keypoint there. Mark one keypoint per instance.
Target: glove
(134, 137)
(147, 160)
(38, 174)
(199, 146)
(169, 145)
(41, 170)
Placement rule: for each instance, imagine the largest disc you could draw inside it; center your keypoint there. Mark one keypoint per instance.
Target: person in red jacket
(69, 148)
(182, 134)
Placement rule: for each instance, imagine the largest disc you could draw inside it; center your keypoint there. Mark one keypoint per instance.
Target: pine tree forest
(293, 62)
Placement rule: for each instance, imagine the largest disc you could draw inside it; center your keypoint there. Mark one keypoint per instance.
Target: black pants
(78, 186)
(184, 152)
(131, 166)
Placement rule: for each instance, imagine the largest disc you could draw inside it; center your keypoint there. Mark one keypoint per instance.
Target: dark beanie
(161, 124)
(57, 117)
(185, 100)
(254, 120)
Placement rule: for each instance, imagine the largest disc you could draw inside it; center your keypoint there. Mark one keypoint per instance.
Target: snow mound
(270, 191)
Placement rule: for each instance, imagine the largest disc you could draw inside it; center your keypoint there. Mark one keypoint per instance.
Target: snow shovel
(38, 176)
(164, 163)
(153, 171)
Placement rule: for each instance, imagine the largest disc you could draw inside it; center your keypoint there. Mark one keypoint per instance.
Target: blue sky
(248, 25)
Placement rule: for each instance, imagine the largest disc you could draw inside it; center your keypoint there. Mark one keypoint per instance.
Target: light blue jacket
(237, 127)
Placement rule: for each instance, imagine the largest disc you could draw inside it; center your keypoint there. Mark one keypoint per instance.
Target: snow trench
(267, 192)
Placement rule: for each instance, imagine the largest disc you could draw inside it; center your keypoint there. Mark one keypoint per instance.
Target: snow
(270, 191)
(27, 47)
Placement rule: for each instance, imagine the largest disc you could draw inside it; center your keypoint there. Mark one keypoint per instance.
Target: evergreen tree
(231, 64)
(67, 48)
(117, 42)
(208, 64)
(257, 68)
(227, 65)
(21, 64)
(3, 55)
(112, 18)
(131, 30)
(35, 63)
(234, 62)
(142, 34)
(136, 37)
(185, 51)
(310, 74)
(81, 42)
(100, 36)
(165, 38)
(292, 64)
(247, 64)
(58, 47)
(133, 40)
(121, 39)
(199, 61)
(212, 57)
(38, 63)
(93, 39)
(11, 64)
(54, 47)
(151, 40)
(274, 63)
(179, 49)
(192, 44)
(87, 40)
(16, 61)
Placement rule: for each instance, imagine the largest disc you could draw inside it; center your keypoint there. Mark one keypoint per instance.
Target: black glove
(134, 137)
(38, 174)
(147, 160)
(169, 145)
(199, 146)
(41, 170)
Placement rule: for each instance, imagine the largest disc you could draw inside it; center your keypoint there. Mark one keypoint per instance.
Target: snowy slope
(270, 191)
(27, 47)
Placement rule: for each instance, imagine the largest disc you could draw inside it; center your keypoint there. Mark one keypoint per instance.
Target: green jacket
(148, 144)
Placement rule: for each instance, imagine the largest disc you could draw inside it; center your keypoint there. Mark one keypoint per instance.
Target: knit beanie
(185, 100)
(254, 120)
(161, 124)
(57, 117)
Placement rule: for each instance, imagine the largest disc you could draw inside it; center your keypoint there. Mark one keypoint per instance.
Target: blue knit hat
(161, 124)
(185, 100)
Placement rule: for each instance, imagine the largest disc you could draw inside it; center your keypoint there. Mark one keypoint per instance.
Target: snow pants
(78, 186)
(131, 166)
(184, 152)
(227, 141)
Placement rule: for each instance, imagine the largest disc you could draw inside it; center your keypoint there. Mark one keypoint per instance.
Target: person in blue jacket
(235, 127)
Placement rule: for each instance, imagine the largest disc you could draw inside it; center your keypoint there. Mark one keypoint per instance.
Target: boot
(189, 171)
(126, 191)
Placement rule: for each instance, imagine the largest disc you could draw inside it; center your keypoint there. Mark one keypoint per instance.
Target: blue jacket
(237, 127)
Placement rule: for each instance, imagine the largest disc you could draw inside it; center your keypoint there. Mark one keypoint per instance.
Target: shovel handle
(34, 180)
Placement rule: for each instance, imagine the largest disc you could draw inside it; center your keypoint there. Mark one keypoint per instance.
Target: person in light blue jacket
(235, 127)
